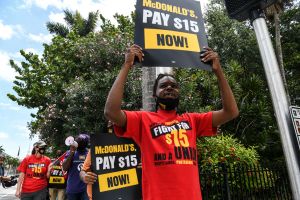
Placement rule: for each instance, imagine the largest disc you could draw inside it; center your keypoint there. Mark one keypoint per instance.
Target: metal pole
(279, 99)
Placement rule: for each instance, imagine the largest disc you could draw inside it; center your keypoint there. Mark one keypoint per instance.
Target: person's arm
(67, 163)
(86, 175)
(4, 178)
(49, 170)
(112, 110)
(230, 109)
(19, 185)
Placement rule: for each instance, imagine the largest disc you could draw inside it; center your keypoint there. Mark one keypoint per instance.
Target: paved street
(7, 193)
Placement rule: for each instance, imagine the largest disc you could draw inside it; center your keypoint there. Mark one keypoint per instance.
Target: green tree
(1, 149)
(69, 84)
(76, 23)
(12, 162)
(290, 29)
(273, 14)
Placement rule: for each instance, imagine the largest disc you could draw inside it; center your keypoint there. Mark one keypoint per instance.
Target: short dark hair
(160, 76)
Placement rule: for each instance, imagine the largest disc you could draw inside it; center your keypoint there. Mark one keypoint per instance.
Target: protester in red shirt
(168, 139)
(33, 169)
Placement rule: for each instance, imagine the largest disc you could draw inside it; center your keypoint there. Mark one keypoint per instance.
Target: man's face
(167, 87)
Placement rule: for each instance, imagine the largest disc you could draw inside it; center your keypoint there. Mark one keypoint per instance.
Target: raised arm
(230, 109)
(49, 169)
(112, 110)
(67, 163)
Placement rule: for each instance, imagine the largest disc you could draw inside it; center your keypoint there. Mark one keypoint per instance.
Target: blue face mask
(167, 104)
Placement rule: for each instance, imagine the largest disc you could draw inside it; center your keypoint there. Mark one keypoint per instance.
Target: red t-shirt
(35, 170)
(169, 153)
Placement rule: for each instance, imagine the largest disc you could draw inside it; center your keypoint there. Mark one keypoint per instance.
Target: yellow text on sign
(56, 180)
(173, 40)
(117, 180)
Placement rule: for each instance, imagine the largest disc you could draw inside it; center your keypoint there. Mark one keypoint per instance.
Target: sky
(23, 26)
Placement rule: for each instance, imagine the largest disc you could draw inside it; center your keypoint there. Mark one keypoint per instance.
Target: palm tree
(75, 22)
(273, 13)
(1, 149)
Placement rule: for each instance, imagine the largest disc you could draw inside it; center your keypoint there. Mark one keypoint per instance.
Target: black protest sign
(171, 33)
(115, 160)
(58, 177)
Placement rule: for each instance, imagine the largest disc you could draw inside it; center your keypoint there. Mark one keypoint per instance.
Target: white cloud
(3, 135)
(8, 31)
(9, 106)
(57, 17)
(106, 7)
(6, 71)
(41, 3)
(42, 38)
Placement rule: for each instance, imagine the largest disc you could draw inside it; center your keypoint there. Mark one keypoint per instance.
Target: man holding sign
(167, 139)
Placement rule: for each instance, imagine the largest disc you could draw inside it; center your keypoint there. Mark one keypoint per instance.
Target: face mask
(41, 150)
(167, 104)
(81, 146)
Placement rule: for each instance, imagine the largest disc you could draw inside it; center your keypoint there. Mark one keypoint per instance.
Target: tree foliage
(225, 149)
(290, 29)
(69, 84)
(75, 23)
(11, 162)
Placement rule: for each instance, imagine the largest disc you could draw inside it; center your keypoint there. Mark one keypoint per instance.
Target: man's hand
(89, 177)
(212, 56)
(73, 148)
(131, 53)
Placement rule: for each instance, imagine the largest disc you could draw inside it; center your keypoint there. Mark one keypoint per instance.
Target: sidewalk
(8, 193)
